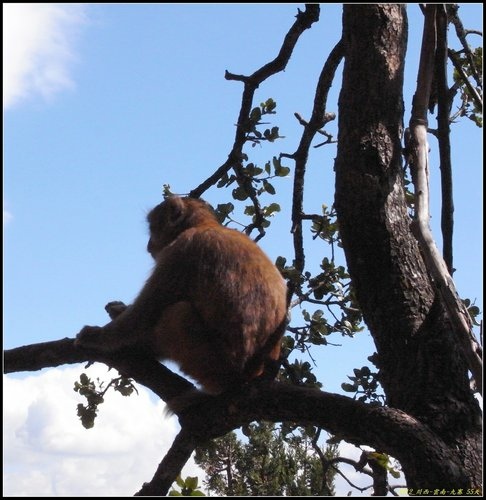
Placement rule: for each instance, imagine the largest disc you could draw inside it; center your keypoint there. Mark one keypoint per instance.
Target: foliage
(473, 311)
(87, 388)
(234, 468)
(365, 383)
(464, 70)
(189, 488)
(384, 461)
(269, 462)
(273, 461)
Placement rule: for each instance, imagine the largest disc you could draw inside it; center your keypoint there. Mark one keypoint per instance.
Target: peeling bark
(421, 368)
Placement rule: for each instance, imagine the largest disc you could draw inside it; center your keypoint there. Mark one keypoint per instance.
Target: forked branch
(419, 165)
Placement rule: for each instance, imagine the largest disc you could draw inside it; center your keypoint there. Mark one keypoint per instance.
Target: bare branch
(316, 122)
(251, 83)
(443, 110)
(215, 416)
(136, 365)
(456, 309)
(170, 467)
(473, 32)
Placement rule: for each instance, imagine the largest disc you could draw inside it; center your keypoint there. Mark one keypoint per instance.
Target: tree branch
(170, 467)
(452, 11)
(251, 83)
(478, 101)
(456, 309)
(212, 416)
(443, 135)
(356, 422)
(137, 365)
(318, 119)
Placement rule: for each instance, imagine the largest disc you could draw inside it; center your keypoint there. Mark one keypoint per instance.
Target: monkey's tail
(183, 401)
(266, 364)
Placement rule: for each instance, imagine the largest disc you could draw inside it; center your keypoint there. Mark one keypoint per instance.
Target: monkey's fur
(214, 303)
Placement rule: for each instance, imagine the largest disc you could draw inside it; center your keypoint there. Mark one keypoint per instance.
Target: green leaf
(166, 192)
(274, 207)
(191, 482)
(240, 194)
(268, 187)
(249, 210)
(365, 371)
(223, 210)
(255, 115)
(280, 171)
(474, 310)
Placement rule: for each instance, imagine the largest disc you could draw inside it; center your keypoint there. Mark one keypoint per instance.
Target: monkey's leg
(182, 336)
(131, 328)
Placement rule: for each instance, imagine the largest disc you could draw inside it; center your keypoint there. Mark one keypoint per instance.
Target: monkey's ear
(177, 210)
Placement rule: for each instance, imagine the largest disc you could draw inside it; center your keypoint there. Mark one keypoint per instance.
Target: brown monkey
(214, 303)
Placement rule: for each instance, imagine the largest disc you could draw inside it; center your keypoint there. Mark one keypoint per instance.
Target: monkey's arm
(133, 323)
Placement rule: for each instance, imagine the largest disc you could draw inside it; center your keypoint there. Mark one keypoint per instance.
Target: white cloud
(38, 51)
(48, 453)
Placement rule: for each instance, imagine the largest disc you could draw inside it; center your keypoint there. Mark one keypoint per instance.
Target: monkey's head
(174, 216)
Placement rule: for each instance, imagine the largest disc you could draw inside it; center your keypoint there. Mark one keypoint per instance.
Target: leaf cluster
(189, 488)
(470, 108)
(253, 134)
(270, 461)
(473, 311)
(325, 226)
(252, 182)
(94, 394)
(384, 461)
(331, 288)
(365, 385)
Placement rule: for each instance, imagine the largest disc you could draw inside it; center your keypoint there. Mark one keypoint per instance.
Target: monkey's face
(174, 216)
(162, 229)
(152, 249)
(158, 240)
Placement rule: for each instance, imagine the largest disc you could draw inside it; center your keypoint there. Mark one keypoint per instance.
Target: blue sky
(105, 103)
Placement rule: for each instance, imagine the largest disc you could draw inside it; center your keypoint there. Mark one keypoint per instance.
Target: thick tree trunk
(421, 369)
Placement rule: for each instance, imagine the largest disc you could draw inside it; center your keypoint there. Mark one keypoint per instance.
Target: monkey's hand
(105, 339)
(115, 308)
(90, 337)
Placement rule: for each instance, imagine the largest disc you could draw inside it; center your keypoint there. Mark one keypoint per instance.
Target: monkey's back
(237, 292)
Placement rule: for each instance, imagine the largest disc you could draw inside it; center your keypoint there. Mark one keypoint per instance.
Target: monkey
(214, 303)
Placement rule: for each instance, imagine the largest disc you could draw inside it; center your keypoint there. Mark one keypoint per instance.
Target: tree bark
(421, 368)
